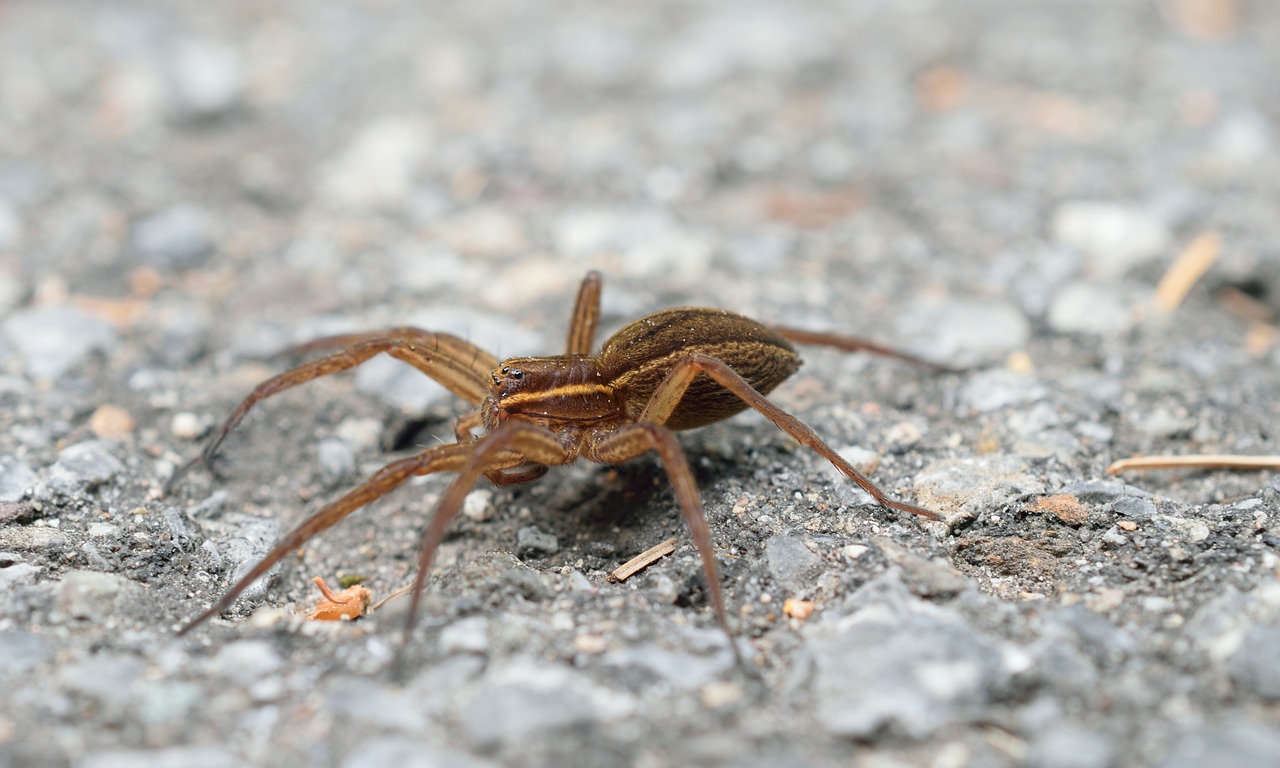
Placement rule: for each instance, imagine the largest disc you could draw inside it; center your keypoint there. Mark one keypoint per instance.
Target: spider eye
(505, 370)
(517, 374)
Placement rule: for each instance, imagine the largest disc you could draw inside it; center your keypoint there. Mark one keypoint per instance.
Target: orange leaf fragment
(797, 609)
(347, 605)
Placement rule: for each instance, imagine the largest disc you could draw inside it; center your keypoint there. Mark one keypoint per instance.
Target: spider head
(568, 388)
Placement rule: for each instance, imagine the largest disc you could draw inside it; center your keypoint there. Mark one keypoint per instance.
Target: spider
(673, 370)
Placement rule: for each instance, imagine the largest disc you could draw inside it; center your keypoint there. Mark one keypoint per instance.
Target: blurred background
(238, 176)
(1078, 198)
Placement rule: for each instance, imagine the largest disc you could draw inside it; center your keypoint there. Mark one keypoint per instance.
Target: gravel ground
(187, 188)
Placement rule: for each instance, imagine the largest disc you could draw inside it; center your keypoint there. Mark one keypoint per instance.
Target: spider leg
(463, 430)
(632, 440)
(668, 394)
(457, 365)
(586, 316)
(531, 443)
(854, 344)
(442, 458)
(481, 362)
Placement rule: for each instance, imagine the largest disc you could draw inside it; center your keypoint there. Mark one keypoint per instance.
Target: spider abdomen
(636, 359)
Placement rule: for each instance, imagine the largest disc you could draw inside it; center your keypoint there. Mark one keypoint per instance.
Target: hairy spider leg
(520, 439)
(855, 344)
(632, 440)
(480, 362)
(668, 394)
(441, 458)
(586, 316)
(459, 366)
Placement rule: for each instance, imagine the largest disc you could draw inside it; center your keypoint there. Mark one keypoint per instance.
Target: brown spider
(672, 370)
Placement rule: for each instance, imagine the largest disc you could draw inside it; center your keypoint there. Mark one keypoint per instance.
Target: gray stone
(337, 462)
(16, 478)
(908, 674)
(469, 635)
(364, 701)
(10, 236)
(166, 703)
(84, 467)
(1102, 309)
(22, 651)
(202, 756)
(685, 671)
(923, 576)
(1240, 140)
(177, 237)
(988, 391)
(971, 486)
(14, 572)
(55, 340)
(407, 752)
(1255, 666)
(399, 385)
(32, 538)
(1070, 746)
(1227, 745)
(1113, 237)
(1103, 491)
(793, 566)
(532, 541)
(377, 168)
(1134, 507)
(107, 679)
(249, 539)
(245, 661)
(207, 76)
(527, 700)
(967, 331)
(93, 596)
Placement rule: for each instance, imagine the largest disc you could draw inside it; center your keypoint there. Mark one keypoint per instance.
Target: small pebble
(1234, 744)
(399, 385)
(1069, 746)
(185, 425)
(377, 168)
(1094, 308)
(361, 434)
(111, 422)
(967, 331)
(202, 756)
(1240, 140)
(469, 635)
(16, 478)
(55, 340)
(972, 485)
(383, 751)
(93, 596)
(84, 466)
(177, 237)
(997, 388)
(791, 564)
(244, 661)
(337, 462)
(208, 77)
(532, 541)
(523, 700)
(479, 506)
(926, 669)
(1114, 237)
(10, 236)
